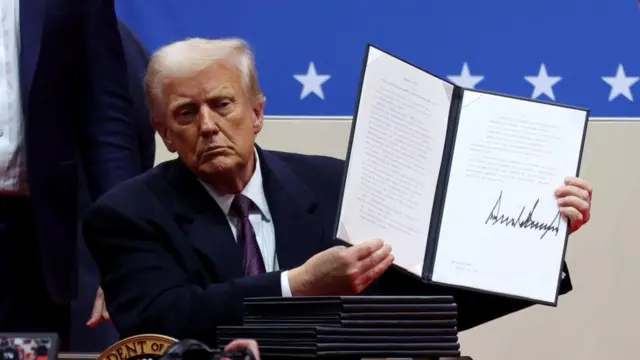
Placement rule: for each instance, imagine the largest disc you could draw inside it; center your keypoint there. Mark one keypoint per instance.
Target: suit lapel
(292, 205)
(204, 223)
(298, 233)
(210, 234)
(32, 18)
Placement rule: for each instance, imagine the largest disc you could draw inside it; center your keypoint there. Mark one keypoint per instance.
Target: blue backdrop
(590, 48)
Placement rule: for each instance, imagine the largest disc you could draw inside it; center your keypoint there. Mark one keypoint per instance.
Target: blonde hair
(188, 57)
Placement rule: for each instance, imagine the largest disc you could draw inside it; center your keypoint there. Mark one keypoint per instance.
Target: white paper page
(501, 228)
(395, 158)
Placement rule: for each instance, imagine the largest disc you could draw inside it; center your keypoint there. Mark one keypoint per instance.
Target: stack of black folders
(349, 327)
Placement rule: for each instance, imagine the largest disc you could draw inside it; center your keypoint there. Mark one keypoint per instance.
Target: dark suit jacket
(170, 264)
(78, 117)
(137, 58)
(99, 338)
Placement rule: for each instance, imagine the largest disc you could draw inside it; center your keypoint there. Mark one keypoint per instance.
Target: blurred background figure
(89, 303)
(67, 126)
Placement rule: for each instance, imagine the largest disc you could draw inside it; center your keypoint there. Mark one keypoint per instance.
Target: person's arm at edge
(109, 133)
(147, 292)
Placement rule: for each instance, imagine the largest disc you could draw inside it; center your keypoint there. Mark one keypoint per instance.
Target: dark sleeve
(147, 291)
(109, 135)
(138, 59)
(474, 308)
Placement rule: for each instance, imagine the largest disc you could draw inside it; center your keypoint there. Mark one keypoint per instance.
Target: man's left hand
(574, 199)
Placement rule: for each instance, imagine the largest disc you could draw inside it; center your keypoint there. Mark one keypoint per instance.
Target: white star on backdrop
(312, 82)
(620, 84)
(543, 83)
(465, 79)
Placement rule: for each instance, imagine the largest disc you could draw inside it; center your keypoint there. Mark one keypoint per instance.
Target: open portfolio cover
(460, 182)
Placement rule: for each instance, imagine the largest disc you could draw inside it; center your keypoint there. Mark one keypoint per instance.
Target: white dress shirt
(260, 219)
(13, 174)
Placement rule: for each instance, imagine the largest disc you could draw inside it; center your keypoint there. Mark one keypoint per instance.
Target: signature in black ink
(495, 217)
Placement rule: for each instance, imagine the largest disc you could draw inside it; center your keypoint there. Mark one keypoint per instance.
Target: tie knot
(241, 205)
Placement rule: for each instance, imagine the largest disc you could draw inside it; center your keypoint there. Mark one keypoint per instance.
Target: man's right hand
(341, 270)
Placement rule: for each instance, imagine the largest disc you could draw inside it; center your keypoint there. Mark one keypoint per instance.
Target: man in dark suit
(66, 111)
(181, 246)
(102, 333)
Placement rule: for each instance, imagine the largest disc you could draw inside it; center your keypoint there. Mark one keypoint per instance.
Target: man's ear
(161, 128)
(258, 114)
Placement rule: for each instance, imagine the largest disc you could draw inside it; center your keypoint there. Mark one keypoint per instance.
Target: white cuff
(284, 284)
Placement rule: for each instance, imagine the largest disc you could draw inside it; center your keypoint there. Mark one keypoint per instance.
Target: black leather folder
(338, 347)
(324, 339)
(364, 339)
(428, 315)
(347, 304)
(387, 346)
(338, 351)
(386, 331)
(358, 354)
(320, 308)
(276, 352)
(358, 323)
(262, 341)
(301, 331)
(356, 299)
(268, 329)
(271, 339)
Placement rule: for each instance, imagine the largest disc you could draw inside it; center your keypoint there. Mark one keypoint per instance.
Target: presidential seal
(139, 347)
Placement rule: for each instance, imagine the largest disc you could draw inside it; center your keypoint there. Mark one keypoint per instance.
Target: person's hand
(99, 311)
(242, 344)
(574, 199)
(341, 270)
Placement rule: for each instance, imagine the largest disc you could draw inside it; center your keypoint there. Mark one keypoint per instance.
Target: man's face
(211, 122)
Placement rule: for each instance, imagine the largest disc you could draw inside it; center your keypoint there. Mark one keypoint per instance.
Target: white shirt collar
(253, 191)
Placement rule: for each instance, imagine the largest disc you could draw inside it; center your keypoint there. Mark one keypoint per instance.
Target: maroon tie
(253, 263)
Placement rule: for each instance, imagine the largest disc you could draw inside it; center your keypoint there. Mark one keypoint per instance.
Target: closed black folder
(363, 323)
(355, 299)
(435, 315)
(276, 335)
(297, 331)
(315, 305)
(386, 346)
(326, 339)
(323, 339)
(276, 352)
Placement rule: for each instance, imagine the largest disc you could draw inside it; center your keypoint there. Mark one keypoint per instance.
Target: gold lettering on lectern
(139, 347)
